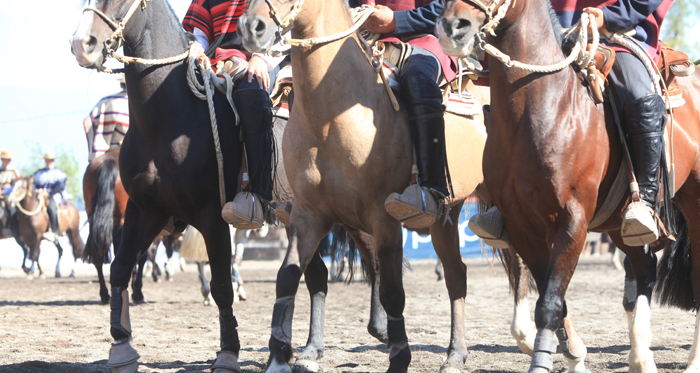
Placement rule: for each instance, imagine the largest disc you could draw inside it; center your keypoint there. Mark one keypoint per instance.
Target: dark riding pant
(255, 110)
(643, 117)
(52, 210)
(420, 92)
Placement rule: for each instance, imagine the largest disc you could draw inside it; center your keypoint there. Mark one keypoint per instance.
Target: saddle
(672, 64)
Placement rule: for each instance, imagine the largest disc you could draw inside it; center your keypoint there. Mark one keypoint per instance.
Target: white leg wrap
(694, 361)
(641, 358)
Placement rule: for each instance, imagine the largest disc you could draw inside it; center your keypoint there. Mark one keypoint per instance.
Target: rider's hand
(257, 67)
(599, 17)
(381, 22)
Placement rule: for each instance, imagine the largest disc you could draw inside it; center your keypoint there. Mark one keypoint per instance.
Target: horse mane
(558, 30)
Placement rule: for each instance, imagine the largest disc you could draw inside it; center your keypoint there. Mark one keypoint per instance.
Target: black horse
(168, 161)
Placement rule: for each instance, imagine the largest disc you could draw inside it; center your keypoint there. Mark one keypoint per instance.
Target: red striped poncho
(215, 17)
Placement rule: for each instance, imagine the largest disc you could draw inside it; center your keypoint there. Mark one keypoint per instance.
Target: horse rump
(674, 283)
(101, 218)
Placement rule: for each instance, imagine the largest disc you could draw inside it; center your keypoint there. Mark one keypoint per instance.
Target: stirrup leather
(244, 212)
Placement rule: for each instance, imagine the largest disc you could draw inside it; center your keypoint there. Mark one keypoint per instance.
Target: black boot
(250, 208)
(52, 211)
(420, 205)
(428, 135)
(644, 122)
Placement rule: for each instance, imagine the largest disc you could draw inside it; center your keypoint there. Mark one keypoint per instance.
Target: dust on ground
(59, 325)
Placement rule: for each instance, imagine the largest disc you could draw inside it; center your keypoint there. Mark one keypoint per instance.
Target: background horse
(348, 150)
(33, 222)
(550, 159)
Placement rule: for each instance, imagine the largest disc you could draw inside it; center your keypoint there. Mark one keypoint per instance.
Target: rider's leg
(643, 117)
(255, 110)
(419, 89)
(52, 211)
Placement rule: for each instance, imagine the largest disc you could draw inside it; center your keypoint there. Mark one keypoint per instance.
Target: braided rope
(205, 91)
(359, 19)
(578, 53)
(30, 213)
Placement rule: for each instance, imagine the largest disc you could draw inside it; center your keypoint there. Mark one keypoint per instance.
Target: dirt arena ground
(58, 325)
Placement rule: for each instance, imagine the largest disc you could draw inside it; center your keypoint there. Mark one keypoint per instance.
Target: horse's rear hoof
(138, 299)
(105, 301)
(30, 277)
(305, 366)
(42, 277)
(72, 274)
(58, 274)
(399, 360)
(123, 358)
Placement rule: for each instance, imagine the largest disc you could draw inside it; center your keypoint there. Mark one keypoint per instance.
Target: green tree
(678, 27)
(65, 161)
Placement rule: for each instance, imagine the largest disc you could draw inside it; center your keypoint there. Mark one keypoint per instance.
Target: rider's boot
(420, 205)
(248, 208)
(645, 119)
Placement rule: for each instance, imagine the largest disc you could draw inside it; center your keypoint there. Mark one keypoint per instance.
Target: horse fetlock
(399, 357)
(570, 343)
(280, 356)
(282, 315)
(545, 346)
(119, 316)
(229, 332)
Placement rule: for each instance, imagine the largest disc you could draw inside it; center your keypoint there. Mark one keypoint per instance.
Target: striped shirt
(107, 124)
(644, 16)
(216, 17)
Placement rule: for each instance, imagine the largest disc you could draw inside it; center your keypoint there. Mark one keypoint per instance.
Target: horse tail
(193, 247)
(674, 284)
(342, 240)
(101, 218)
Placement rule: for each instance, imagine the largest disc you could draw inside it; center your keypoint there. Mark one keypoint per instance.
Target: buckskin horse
(33, 223)
(348, 149)
(549, 163)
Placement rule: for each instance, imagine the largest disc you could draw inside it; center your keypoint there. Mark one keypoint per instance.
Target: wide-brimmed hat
(49, 156)
(6, 154)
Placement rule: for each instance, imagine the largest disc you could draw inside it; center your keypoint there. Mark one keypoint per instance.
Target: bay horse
(347, 150)
(9, 225)
(33, 222)
(549, 162)
(105, 202)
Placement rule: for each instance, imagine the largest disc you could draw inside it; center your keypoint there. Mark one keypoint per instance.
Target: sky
(44, 94)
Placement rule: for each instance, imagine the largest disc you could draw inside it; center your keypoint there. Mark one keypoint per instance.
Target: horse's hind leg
(104, 292)
(641, 359)
(58, 261)
(205, 289)
(137, 281)
(446, 243)
(306, 231)
(522, 328)
(316, 276)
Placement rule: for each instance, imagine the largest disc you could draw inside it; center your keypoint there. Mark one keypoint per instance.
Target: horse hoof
(42, 277)
(30, 277)
(129, 368)
(105, 301)
(226, 362)
(72, 274)
(123, 358)
(208, 301)
(450, 369)
(276, 367)
(58, 274)
(305, 366)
